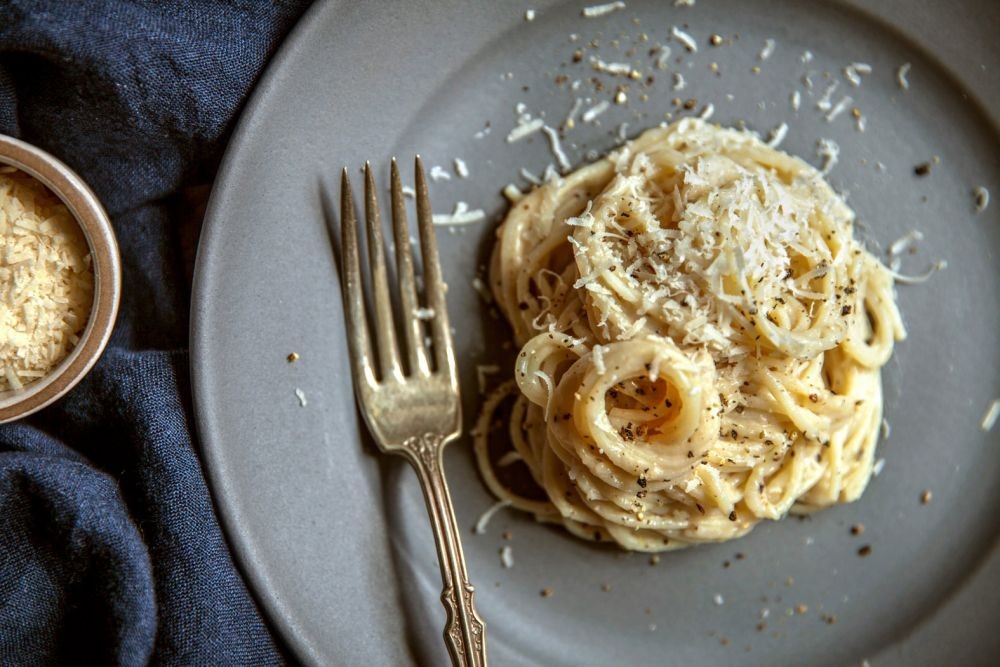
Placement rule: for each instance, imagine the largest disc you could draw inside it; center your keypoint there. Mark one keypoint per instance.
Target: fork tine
(434, 286)
(357, 328)
(416, 354)
(385, 330)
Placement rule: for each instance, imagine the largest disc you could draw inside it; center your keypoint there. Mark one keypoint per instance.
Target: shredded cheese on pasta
(46, 280)
(701, 338)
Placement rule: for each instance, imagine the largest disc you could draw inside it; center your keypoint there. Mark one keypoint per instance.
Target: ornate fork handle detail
(464, 630)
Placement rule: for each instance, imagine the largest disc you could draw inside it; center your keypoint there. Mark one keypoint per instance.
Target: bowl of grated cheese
(60, 279)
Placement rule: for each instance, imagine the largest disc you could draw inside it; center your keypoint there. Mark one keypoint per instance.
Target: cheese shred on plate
(46, 280)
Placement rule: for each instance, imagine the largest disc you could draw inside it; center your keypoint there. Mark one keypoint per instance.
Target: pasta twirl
(701, 342)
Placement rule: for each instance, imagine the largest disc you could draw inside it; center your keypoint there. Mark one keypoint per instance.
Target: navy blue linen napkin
(110, 551)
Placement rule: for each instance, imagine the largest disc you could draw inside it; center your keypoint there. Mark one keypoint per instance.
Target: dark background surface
(110, 550)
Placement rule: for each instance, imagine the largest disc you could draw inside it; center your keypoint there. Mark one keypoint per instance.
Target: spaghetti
(701, 341)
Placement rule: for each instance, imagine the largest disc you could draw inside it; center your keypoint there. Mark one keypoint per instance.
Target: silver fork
(415, 413)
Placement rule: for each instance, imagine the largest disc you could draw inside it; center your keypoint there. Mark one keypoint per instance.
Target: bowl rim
(88, 212)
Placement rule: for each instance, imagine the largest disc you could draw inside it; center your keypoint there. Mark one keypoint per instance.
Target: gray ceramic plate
(333, 539)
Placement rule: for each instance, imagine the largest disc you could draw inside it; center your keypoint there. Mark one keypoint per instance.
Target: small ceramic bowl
(90, 215)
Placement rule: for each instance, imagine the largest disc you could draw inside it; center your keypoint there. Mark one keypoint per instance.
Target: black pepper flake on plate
(922, 169)
(865, 550)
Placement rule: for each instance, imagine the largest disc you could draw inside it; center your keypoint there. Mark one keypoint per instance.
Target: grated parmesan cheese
(525, 129)
(685, 39)
(556, 147)
(439, 174)
(529, 15)
(839, 108)
(707, 112)
(570, 121)
(905, 242)
(409, 192)
(777, 135)
(598, 354)
(462, 215)
(507, 556)
(512, 193)
(991, 415)
(301, 395)
(796, 100)
(768, 49)
(461, 168)
(531, 178)
(610, 68)
(600, 10)
(829, 152)
(825, 103)
(593, 112)
(854, 71)
(623, 132)
(484, 518)
(46, 280)
(901, 73)
(679, 82)
(877, 468)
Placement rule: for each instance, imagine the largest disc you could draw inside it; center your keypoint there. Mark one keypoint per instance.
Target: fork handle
(464, 632)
